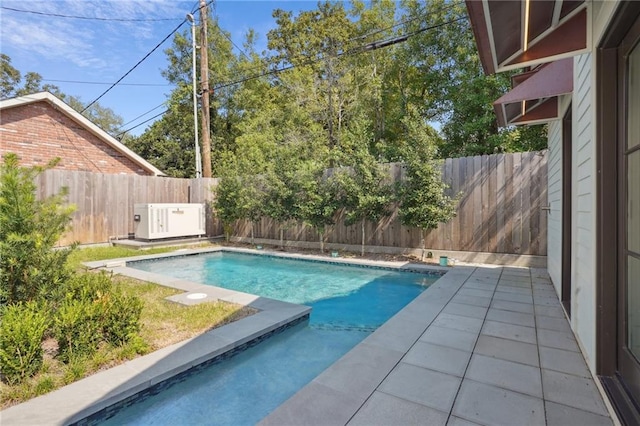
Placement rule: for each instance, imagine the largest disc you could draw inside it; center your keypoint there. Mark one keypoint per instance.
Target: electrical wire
(88, 18)
(378, 31)
(140, 124)
(365, 48)
(234, 45)
(136, 65)
(105, 83)
(141, 115)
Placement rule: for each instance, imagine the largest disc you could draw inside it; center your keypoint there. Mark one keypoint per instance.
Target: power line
(104, 83)
(142, 115)
(136, 65)
(234, 45)
(405, 21)
(140, 124)
(88, 18)
(365, 48)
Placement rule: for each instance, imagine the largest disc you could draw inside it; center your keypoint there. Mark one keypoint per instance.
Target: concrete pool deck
(483, 345)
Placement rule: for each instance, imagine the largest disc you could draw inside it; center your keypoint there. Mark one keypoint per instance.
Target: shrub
(119, 317)
(29, 229)
(92, 298)
(76, 329)
(88, 287)
(22, 330)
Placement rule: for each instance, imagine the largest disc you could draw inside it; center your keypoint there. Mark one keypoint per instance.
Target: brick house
(40, 127)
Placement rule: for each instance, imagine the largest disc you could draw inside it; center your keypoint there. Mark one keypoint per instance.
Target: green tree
(422, 196)
(29, 229)
(237, 196)
(365, 190)
(456, 91)
(316, 198)
(280, 202)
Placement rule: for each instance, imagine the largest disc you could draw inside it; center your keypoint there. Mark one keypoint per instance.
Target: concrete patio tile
(479, 285)
(511, 317)
(451, 338)
(512, 283)
(465, 310)
(505, 374)
(472, 300)
(549, 311)
(545, 292)
(398, 334)
(573, 391)
(360, 371)
(422, 386)
(515, 277)
(314, 404)
(512, 297)
(525, 308)
(382, 409)
(558, 339)
(551, 323)
(561, 415)
(546, 301)
(509, 331)
(475, 292)
(516, 273)
(510, 350)
(491, 405)
(563, 361)
(457, 421)
(439, 358)
(458, 322)
(542, 285)
(509, 289)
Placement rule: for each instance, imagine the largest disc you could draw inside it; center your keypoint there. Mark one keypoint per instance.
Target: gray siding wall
(584, 219)
(554, 234)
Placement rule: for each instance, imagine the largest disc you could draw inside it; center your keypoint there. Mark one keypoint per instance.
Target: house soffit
(513, 34)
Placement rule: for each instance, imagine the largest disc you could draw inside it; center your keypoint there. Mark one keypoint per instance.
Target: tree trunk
(251, 232)
(281, 237)
(362, 248)
(424, 240)
(321, 242)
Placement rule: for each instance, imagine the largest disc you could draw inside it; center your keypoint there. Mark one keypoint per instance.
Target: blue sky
(103, 51)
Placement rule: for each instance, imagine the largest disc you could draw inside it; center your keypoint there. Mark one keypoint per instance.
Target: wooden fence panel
(501, 197)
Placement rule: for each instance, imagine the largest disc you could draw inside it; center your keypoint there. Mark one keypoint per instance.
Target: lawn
(163, 323)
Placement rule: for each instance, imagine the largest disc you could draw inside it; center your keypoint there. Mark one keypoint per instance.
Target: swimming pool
(348, 304)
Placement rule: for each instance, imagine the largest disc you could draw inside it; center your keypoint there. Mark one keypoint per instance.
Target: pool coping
(86, 397)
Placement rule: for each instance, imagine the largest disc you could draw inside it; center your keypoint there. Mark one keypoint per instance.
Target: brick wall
(38, 132)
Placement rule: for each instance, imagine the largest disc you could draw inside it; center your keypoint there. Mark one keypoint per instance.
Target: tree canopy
(329, 71)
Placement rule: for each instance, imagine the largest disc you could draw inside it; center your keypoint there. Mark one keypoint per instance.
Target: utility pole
(204, 86)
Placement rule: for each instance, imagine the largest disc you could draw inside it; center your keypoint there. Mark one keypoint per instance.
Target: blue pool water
(348, 304)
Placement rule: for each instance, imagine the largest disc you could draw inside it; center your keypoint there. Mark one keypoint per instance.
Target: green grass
(113, 252)
(162, 323)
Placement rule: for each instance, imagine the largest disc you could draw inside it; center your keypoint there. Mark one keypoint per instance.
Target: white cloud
(88, 43)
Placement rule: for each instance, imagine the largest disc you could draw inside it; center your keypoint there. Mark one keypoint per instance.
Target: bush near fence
(500, 210)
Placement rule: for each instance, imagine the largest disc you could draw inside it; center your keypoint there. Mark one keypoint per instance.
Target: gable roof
(60, 105)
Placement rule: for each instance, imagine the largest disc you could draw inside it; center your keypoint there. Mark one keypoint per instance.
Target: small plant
(22, 329)
(119, 317)
(76, 329)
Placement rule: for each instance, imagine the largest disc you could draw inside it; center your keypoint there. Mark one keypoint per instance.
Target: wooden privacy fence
(500, 211)
(104, 203)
